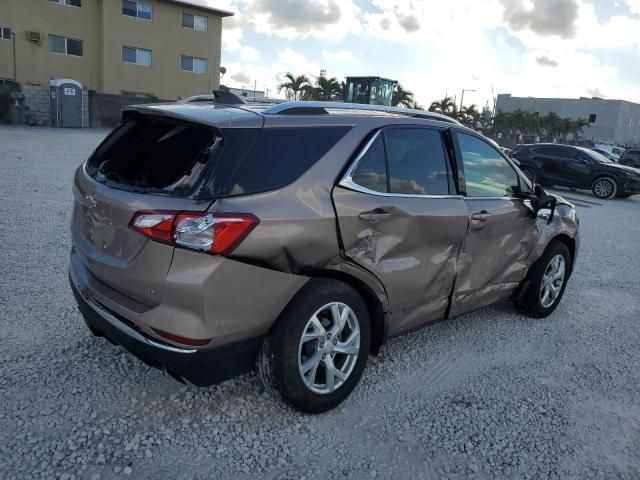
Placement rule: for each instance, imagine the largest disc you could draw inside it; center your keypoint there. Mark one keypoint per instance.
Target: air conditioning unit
(34, 37)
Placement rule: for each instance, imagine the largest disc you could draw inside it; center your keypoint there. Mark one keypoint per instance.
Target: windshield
(596, 156)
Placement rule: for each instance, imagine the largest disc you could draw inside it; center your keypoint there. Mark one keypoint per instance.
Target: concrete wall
(613, 117)
(104, 30)
(37, 99)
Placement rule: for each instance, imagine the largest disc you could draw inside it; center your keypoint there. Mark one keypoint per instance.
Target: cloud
(297, 63)
(595, 92)
(410, 23)
(543, 17)
(545, 61)
(340, 56)
(385, 23)
(303, 16)
(249, 53)
(634, 6)
(241, 77)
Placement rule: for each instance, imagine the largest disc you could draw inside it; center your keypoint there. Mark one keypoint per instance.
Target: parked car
(631, 158)
(577, 167)
(606, 154)
(299, 237)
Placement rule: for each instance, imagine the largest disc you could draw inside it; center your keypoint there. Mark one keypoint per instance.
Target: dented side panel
(493, 258)
(413, 251)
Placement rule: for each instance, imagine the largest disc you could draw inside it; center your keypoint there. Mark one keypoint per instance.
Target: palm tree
(402, 97)
(577, 126)
(550, 125)
(446, 106)
(327, 89)
(469, 116)
(295, 86)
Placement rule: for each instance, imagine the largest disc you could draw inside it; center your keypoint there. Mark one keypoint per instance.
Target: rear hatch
(158, 159)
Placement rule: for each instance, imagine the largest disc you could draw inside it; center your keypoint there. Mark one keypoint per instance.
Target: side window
(417, 162)
(486, 172)
(371, 171)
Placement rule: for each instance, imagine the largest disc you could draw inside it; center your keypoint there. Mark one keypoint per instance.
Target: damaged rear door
(401, 218)
(502, 228)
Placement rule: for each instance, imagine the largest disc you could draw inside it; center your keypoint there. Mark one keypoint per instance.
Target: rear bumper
(201, 367)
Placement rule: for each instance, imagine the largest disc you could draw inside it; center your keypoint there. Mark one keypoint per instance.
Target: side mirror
(539, 199)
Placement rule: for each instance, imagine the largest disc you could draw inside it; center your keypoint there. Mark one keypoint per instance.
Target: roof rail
(310, 108)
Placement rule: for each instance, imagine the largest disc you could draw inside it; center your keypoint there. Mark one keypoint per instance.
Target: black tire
(529, 173)
(278, 367)
(527, 298)
(604, 188)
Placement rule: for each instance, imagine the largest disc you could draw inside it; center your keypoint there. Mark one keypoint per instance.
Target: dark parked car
(576, 167)
(299, 237)
(631, 157)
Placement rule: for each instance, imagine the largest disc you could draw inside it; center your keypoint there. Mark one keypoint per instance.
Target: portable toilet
(65, 98)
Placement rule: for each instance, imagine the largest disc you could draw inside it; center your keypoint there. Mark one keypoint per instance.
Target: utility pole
(462, 96)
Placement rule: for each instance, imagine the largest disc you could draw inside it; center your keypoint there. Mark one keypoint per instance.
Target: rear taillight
(217, 233)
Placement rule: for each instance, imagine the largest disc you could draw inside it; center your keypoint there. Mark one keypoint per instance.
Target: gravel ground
(490, 394)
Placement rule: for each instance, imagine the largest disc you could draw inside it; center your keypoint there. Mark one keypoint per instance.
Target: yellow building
(163, 48)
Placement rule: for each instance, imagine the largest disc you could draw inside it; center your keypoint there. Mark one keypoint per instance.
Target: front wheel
(604, 188)
(316, 353)
(542, 290)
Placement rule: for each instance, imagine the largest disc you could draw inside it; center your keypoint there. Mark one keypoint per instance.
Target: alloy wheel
(552, 281)
(603, 188)
(329, 348)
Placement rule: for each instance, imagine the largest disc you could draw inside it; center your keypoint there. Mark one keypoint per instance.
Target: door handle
(480, 217)
(374, 215)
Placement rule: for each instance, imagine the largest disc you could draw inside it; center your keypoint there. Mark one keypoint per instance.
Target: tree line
(547, 127)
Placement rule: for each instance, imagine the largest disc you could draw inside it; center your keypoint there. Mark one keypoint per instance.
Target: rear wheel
(604, 188)
(545, 282)
(316, 353)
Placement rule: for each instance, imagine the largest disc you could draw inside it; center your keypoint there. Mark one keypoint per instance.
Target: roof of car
(294, 113)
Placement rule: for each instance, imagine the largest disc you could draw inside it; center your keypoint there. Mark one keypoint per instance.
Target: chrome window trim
(347, 179)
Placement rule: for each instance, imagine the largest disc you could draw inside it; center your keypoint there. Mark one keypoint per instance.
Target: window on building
(5, 33)
(73, 3)
(196, 22)
(592, 118)
(139, 56)
(141, 10)
(67, 46)
(193, 64)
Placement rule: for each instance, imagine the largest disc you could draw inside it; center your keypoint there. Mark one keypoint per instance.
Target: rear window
(161, 155)
(255, 161)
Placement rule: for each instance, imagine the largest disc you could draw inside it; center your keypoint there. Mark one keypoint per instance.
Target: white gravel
(490, 394)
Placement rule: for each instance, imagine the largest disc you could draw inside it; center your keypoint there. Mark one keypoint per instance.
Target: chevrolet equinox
(297, 238)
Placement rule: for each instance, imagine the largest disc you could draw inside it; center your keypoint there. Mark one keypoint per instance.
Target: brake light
(216, 233)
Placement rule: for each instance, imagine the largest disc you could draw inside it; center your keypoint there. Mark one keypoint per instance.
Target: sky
(542, 48)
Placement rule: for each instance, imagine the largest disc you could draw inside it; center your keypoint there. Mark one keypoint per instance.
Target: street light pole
(462, 96)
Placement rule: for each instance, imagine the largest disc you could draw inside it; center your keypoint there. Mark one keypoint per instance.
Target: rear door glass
(417, 161)
(371, 172)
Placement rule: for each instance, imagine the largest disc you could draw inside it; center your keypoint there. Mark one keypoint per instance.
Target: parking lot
(491, 394)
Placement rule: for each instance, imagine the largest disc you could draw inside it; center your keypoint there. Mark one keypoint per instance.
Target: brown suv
(298, 237)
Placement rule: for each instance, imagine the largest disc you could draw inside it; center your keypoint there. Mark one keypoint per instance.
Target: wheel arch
(570, 244)
(376, 308)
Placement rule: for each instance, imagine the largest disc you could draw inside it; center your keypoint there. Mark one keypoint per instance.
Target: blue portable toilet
(65, 98)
